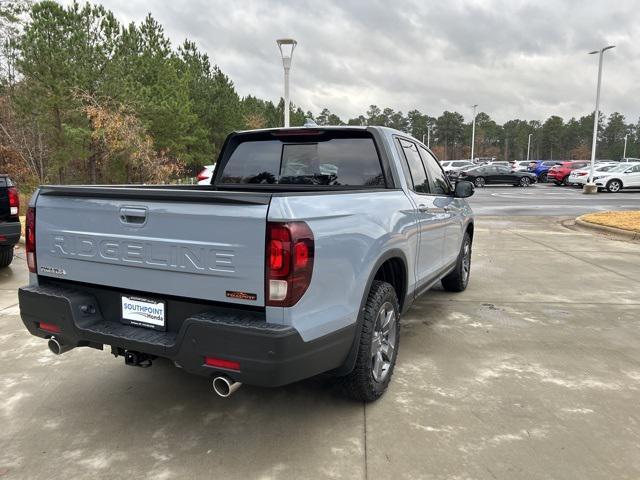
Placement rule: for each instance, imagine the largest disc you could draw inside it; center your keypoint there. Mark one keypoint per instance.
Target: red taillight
(30, 239)
(14, 201)
(221, 363)
(203, 175)
(289, 262)
(49, 327)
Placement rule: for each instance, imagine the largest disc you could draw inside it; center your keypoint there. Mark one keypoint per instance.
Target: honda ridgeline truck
(298, 259)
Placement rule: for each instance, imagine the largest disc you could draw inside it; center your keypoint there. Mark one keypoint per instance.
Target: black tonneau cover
(185, 193)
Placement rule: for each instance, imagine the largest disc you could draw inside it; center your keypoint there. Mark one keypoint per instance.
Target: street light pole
(624, 152)
(286, 46)
(428, 137)
(473, 131)
(590, 187)
(528, 146)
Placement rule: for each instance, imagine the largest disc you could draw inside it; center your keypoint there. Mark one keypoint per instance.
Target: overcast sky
(516, 59)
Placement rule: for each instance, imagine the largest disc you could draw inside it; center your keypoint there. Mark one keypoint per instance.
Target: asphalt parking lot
(533, 372)
(549, 200)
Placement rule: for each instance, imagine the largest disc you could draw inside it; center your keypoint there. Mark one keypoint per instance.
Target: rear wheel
(525, 182)
(378, 347)
(565, 181)
(6, 256)
(458, 279)
(614, 186)
(479, 182)
(542, 178)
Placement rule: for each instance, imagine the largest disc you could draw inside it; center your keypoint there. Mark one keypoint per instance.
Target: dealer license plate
(143, 312)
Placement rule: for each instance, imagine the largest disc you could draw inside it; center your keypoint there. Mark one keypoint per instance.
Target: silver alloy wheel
(479, 182)
(466, 261)
(614, 186)
(525, 181)
(383, 342)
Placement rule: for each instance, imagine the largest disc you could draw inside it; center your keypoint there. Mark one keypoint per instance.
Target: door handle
(422, 208)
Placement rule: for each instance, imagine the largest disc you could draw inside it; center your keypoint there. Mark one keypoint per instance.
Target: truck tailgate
(190, 243)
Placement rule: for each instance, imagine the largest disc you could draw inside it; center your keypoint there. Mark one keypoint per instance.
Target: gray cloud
(515, 58)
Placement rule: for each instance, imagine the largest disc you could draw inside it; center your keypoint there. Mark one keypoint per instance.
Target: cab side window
(418, 174)
(437, 178)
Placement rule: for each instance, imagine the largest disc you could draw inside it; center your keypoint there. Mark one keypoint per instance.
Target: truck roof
(327, 127)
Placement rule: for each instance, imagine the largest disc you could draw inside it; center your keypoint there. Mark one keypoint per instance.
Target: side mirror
(464, 189)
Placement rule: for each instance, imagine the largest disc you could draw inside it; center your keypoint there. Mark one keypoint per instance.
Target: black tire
(6, 256)
(479, 182)
(542, 178)
(565, 180)
(524, 181)
(458, 279)
(614, 186)
(361, 383)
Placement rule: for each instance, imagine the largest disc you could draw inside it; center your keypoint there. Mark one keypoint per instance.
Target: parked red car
(559, 174)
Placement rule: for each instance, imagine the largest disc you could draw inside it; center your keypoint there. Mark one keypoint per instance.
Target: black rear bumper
(268, 354)
(9, 233)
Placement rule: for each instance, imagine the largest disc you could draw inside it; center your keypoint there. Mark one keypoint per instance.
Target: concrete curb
(611, 231)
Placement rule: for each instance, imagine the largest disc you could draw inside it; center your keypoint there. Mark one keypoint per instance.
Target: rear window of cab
(326, 159)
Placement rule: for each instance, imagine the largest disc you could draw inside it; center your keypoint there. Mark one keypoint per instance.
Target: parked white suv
(456, 165)
(519, 165)
(579, 176)
(626, 175)
(204, 177)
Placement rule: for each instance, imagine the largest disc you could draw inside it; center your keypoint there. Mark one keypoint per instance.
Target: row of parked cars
(612, 176)
(488, 173)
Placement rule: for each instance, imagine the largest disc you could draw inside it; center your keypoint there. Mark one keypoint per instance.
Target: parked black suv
(9, 221)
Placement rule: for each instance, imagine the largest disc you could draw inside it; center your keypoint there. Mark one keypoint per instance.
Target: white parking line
(526, 195)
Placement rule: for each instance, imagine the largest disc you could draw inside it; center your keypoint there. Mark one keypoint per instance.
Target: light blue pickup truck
(298, 259)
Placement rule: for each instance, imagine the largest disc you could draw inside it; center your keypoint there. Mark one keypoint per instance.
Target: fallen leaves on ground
(624, 220)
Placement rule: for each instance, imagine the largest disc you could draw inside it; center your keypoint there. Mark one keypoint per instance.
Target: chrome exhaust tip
(56, 347)
(224, 386)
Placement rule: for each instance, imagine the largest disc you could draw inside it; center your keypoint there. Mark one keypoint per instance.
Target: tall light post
(286, 46)
(473, 131)
(528, 146)
(591, 187)
(624, 151)
(428, 135)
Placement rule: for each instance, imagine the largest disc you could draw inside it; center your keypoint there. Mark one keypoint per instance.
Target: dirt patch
(624, 220)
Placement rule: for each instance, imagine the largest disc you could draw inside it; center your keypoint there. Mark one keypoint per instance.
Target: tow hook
(138, 359)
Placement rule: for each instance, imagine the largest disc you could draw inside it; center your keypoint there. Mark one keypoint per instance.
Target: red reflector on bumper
(49, 327)
(220, 363)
